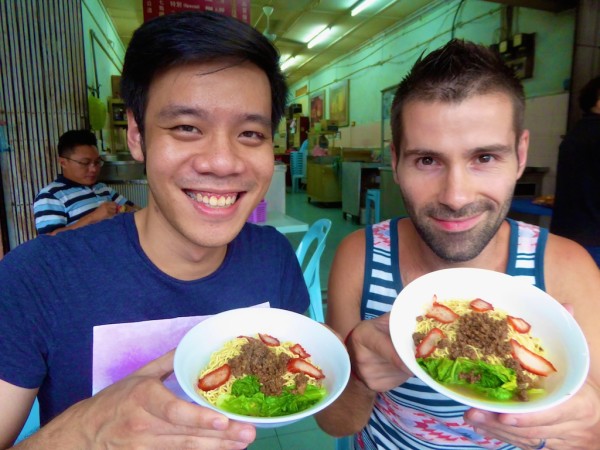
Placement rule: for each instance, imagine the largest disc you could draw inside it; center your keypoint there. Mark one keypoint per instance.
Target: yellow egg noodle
(232, 349)
(462, 307)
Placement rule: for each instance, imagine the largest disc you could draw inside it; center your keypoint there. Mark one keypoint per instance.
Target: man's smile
(213, 200)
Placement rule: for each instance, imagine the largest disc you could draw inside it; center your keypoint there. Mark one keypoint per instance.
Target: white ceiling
(293, 22)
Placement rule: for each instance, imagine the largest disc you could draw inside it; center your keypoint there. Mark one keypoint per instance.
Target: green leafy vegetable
(246, 399)
(494, 381)
(248, 386)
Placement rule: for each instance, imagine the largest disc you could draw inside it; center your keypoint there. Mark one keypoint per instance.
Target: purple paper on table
(123, 348)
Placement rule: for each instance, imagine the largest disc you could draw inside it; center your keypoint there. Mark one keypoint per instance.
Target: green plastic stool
(372, 198)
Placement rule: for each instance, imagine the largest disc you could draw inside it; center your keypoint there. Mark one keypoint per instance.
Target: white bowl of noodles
(209, 337)
(554, 330)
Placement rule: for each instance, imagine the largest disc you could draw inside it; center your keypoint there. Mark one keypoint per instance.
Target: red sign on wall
(234, 8)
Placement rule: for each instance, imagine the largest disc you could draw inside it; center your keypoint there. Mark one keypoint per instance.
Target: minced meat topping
(257, 359)
(478, 330)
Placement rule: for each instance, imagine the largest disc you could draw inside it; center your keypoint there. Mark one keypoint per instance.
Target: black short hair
(191, 37)
(589, 95)
(71, 139)
(453, 73)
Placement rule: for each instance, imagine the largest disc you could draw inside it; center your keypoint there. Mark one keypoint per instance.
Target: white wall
(104, 53)
(546, 119)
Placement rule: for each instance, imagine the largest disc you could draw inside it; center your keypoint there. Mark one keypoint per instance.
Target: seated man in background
(76, 199)
(90, 317)
(458, 148)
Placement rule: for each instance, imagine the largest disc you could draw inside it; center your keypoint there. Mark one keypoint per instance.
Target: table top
(285, 224)
(525, 205)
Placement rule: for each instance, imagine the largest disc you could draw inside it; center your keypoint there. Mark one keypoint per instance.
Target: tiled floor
(305, 434)
(302, 435)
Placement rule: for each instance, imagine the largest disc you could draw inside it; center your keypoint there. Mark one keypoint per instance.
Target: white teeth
(215, 201)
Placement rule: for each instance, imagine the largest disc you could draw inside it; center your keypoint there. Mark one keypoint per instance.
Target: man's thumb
(161, 367)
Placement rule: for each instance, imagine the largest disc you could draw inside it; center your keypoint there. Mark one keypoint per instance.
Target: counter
(323, 180)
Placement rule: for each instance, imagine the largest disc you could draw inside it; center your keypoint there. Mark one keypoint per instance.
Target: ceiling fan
(268, 10)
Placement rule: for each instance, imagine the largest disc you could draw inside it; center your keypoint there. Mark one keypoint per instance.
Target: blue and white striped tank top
(413, 416)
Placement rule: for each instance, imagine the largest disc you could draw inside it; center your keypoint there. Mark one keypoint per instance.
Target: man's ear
(62, 162)
(522, 149)
(394, 161)
(134, 138)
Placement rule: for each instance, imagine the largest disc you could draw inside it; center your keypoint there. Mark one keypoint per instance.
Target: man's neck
(171, 254)
(70, 181)
(417, 259)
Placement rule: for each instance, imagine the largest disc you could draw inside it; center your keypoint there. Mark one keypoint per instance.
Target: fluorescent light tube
(358, 8)
(320, 37)
(287, 63)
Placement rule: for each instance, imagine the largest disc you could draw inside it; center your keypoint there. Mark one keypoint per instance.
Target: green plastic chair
(297, 169)
(317, 233)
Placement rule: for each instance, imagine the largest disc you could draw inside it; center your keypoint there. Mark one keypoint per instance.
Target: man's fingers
(200, 421)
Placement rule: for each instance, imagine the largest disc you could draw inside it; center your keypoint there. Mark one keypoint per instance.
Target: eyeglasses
(95, 163)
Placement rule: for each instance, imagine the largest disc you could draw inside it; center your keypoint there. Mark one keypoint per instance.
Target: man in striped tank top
(458, 149)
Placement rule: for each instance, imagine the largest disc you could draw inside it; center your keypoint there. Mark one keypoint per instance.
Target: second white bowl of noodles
(327, 352)
(561, 337)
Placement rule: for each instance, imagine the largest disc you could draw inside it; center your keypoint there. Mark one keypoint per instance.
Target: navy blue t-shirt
(60, 295)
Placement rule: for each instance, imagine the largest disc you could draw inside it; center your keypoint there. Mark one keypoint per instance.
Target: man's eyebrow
(420, 152)
(259, 118)
(492, 148)
(174, 111)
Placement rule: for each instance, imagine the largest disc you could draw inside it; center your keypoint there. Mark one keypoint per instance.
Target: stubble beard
(461, 246)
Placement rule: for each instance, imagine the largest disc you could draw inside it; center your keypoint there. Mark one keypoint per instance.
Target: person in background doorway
(458, 148)
(576, 212)
(76, 199)
(322, 147)
(90, 318)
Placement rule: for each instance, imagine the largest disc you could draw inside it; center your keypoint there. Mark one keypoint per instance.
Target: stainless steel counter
(357, 177)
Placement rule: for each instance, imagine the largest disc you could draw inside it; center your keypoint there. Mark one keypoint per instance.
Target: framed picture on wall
(317, 107)
(338, 103)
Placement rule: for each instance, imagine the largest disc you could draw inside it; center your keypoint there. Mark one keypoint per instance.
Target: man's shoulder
(52, 187)
(60, 186)
(560, 249)
(571, 273)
